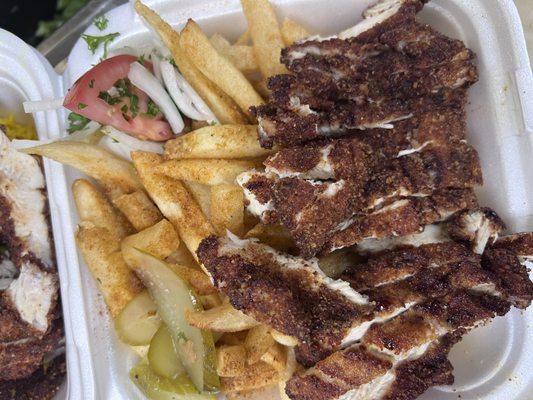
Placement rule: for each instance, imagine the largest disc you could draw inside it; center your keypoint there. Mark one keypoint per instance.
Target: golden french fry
(217, 68)
(258, 375)
(94, 207)
(138, 209)
(221, 104)
(266, 36)
(202, 195)
(227, 209)
(115, 280)
(260, 87)
(224, 318)
(232, 338)
(182, 256)
(276, 236)
(225, 141)
(210, 301)
(231, 360)
(199, 281)
(276, 356)
(336, 262)
(244, 39)
(243, 57)
(207, 172)
(262, 393)
(293, 32)
(291, 367)
(159, 240)
(114, 174)
(283, 339)
(174, 201)
(257, 343)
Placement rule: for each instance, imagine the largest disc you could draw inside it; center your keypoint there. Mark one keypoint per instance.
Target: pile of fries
(164, 205)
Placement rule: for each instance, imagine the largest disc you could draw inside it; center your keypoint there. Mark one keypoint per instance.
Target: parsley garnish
(141, 59)
(134, 105)
(152, 110)
(81, 106)
(105, 96)
(77, 122)
(101, 22)
(124, 109)
(93, 42)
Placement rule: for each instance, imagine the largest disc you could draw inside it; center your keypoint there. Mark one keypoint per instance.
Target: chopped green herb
(101, 22)
(134, 105)
(141, 59)
(81, 106)
(91, 83)
(152, 110)
(77, 122)
(124, 109)
(93, 42)
(123, 87)
(105, 96)
(213, 123)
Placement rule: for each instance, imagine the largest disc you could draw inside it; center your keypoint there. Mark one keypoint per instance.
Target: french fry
(217, 68)
(276, 356)
(232, 338)
(94, 207)
(260, 87)
(207, 172)
(334, 264)
(114, 174)
(138, 209)
(174, 201)
(225, 141)
(292, 32)
(210, 301)
(266, 36)
(262, 393)
(231, 360)
(244, 39)
(227, 209)
(275, 236)
(115, 280)
(202, 195)
(258, 375)
(199, 281)
(257, 343)
(283, 339)
(243, 57)
(224, 318)
(182, 256)
(221, 104)
(290, 368)
(159, 240)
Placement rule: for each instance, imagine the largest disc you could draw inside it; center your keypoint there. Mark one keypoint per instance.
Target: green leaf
(77, 122)
(94, 42)
(101, 22)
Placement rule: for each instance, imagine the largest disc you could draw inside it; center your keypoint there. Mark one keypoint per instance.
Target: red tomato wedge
(82, 98)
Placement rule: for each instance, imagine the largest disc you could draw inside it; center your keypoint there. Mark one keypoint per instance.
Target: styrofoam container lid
(492, 362)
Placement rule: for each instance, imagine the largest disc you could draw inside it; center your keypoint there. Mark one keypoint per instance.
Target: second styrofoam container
(491, 362)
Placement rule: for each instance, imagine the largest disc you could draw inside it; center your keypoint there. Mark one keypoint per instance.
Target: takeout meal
(31, 329)
(287, 211)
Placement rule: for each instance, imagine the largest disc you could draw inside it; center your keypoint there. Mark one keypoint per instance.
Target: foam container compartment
(492, 362)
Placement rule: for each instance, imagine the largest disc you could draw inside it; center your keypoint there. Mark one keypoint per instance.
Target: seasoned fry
(115, 280)
(285, 340)
(224, 318)
(256, 376)
(173, 200)
(94, 207)
(202, 195)
(182, 256)
(217, 68)
(260, 87)
(262, 393)
(292, 32)
(243, 57)
(221, 104)
(231, 360)
(159, 240)
(207, 172)
(276, 356)
(257, 343)
(114, 174)
(210, 301)
(232, 338)
(290, 369)
(276, 236)
(227, 209)
(199, 281)
(266, 36)
(138, 209)
(244, 39)
(226, 141)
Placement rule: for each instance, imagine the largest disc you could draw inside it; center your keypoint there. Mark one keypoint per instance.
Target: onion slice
(42, 105)
(131, 142)
(148, 83)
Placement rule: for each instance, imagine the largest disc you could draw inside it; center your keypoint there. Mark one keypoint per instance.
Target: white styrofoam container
(493, 362)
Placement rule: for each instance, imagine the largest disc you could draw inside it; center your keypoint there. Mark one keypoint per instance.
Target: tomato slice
(83, 98)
